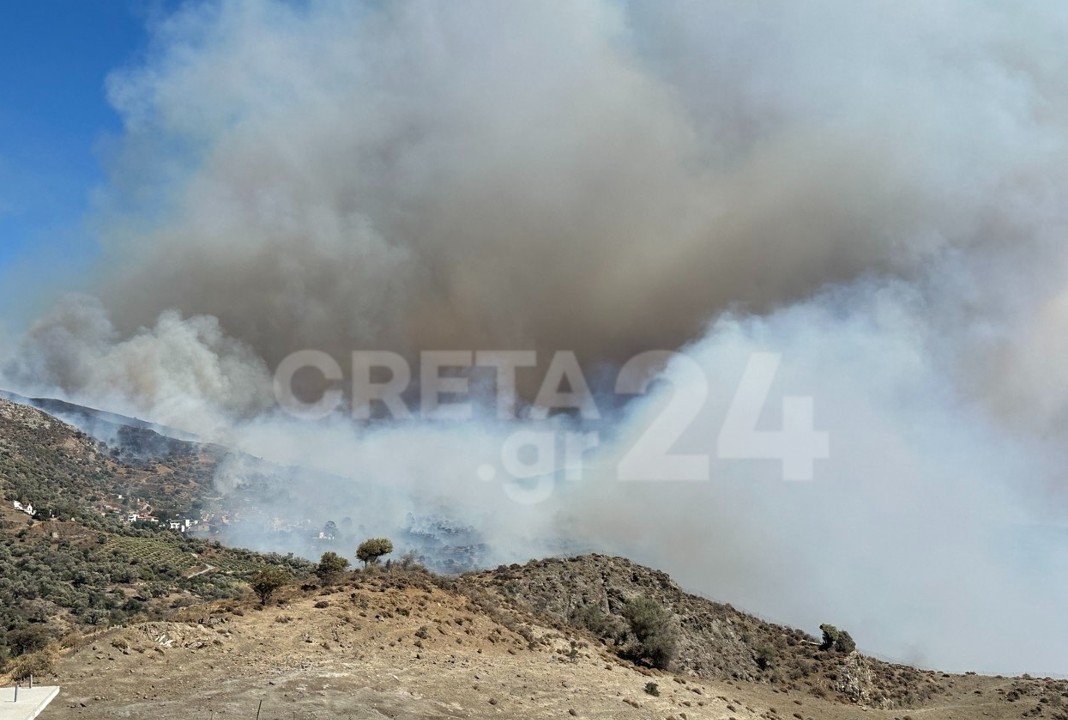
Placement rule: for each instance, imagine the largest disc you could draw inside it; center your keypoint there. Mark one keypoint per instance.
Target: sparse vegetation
(715, 640)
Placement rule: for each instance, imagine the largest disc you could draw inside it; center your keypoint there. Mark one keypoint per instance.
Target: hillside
(107, 465)
(715, 641)
(133, 619)
(65, 472)
(76, 562)
(408, 644)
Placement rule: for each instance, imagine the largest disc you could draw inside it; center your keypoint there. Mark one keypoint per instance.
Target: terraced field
(151, 551)
(158, 552)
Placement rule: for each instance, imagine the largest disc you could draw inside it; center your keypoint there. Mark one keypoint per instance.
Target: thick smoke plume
(873, 190)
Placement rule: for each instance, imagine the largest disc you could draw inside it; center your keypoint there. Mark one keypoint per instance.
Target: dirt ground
(378, 652)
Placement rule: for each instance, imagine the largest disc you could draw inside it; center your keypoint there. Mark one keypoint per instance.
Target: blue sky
(54, 114)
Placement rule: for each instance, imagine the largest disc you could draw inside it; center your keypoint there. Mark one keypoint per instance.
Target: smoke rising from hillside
(874, 191)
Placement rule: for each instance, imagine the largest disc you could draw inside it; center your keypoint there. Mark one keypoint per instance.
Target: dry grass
(400, 645)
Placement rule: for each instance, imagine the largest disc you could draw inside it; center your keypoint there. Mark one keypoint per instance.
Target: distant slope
(174, 472)
(138, 440)
(84, 417)
(76, 562)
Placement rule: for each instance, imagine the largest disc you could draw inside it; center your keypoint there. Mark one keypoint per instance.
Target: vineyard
(153, 552)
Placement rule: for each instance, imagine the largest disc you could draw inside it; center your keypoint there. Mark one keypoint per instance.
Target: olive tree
(370, 551)
(835, 639)
(266, 581)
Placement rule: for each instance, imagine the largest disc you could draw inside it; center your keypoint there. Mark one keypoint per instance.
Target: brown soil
(399, 646)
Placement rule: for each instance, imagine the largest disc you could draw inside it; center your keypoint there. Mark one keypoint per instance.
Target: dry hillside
(406, 644)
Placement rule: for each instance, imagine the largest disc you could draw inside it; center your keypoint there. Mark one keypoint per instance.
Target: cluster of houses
(213, 522)
(144, 513)
(208, 523)
(178, 525)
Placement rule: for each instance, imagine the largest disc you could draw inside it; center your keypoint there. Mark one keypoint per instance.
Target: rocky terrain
(406, 644)
(715, 641)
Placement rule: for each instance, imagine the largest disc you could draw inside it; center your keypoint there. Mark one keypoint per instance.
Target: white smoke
(180, 370)
(932, 529)
(873, 191)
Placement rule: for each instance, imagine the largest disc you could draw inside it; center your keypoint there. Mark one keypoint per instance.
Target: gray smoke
(873, 190)
(591, 176)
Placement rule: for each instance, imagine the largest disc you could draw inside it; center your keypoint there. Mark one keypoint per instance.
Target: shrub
(331, 565)
(653, 689)
(370, 551)
(654, 634)
(410, 561)
(845, 643)
(41, 662)
(598, 622)
(28, 639)
(766, 656)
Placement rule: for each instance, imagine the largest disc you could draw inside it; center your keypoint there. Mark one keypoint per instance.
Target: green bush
(330, 567)
(39, 663)
(766, 656)
(28, 639)
(655, 637)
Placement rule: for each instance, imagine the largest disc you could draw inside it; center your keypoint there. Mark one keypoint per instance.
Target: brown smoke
(583, 176)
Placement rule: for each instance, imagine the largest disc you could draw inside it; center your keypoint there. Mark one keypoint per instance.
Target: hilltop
(714, 640)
